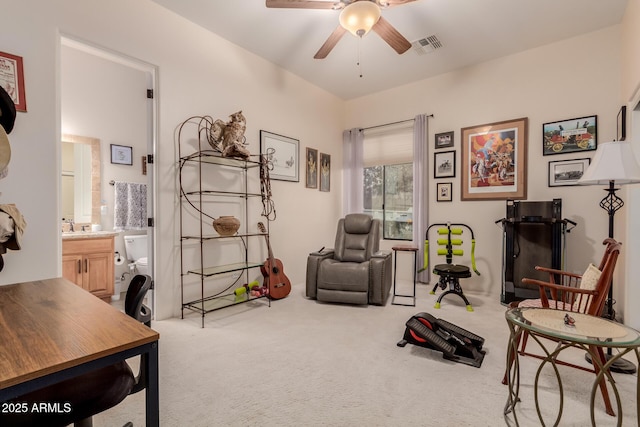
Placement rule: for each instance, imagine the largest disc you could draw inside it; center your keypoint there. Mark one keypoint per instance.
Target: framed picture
(570, 136)
(283, 153)
(567, 172)
(12, 79)
(444, 164)
(444, 191)
(121, 155)
(444, 140)
(621, 127)
(325, 172)
(311, 167)
(494, 160)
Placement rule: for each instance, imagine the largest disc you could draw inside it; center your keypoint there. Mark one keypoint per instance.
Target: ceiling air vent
(426, 45)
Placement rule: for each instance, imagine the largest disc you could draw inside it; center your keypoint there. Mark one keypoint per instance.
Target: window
(388, 180)
(388, 196)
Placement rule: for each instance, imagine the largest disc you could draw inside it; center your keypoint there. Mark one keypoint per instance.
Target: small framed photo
(444, 190)
(12, 79)
(621, 127)
(325, 172)
(121, 154)
(444, 164)
(570, 136)
(444, 140)
(567, 172)
(311, 166)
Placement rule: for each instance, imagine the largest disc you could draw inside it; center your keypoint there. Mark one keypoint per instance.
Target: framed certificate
(12, 79)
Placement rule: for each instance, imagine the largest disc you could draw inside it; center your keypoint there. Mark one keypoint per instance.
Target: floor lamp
(614, 163)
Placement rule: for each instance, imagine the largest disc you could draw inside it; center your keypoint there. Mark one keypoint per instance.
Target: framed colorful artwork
(494, 159)
(570, 136)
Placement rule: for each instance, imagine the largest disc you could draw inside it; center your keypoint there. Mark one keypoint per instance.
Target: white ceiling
(470, 31)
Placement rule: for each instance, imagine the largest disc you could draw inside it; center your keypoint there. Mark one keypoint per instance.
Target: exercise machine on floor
(450, 245)
(455, 343)
(534, 234)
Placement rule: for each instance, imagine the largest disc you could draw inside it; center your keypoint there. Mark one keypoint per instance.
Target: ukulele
(278, 284)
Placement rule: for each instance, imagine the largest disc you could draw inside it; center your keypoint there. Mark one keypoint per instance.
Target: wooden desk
(52, 330)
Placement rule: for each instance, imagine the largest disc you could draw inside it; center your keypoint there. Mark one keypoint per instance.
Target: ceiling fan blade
(389, 34)
(300, 4)
(391, 3)
(331, 42)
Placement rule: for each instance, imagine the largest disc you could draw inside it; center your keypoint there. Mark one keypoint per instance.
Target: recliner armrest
(380, 267)
(381, 254)
(313, 264)
(324, 253)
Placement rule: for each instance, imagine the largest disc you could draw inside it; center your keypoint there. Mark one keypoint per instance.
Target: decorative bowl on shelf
(226, 225)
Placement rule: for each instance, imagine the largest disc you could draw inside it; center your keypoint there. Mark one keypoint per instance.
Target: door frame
(151, 72)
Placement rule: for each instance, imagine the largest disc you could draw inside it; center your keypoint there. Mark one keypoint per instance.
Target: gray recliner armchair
(355, 271)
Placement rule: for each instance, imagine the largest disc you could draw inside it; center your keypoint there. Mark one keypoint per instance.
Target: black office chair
(94, 392)
(136, 292)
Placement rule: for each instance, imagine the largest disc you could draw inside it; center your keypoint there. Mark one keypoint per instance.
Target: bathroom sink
(87, 234)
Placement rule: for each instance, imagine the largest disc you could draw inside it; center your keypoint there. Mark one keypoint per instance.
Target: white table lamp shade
(614, 161)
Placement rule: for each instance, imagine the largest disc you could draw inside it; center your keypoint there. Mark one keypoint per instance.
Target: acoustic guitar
(278, 283)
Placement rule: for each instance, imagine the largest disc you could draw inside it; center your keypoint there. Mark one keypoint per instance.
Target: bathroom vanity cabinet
(87, 261)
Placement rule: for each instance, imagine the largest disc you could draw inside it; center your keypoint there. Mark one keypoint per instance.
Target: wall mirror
(80, 179)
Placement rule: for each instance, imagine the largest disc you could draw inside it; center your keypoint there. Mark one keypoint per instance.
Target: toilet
(136, 248)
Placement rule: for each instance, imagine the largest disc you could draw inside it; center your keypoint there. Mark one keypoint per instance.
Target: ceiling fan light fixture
(359, 17)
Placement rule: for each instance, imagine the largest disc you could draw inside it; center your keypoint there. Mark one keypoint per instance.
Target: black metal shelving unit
(193, 199)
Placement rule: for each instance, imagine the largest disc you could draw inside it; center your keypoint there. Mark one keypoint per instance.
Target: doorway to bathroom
(111, 98)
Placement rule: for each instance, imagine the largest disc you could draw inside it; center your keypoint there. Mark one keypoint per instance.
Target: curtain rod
(392, 123)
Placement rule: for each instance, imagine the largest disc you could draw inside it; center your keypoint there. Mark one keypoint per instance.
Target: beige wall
(198, 73)
(630, 43)
(554, 82)
(630, 96)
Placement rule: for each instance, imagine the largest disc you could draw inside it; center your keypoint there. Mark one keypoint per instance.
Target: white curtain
(353, 171)
(353, 180)
(420, 188)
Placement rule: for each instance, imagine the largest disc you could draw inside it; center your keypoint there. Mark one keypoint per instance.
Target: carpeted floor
(300, 362)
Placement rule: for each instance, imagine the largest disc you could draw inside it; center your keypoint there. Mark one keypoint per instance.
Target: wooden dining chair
(579, 293)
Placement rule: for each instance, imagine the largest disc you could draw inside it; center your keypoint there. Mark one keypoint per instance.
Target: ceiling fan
(356, 16)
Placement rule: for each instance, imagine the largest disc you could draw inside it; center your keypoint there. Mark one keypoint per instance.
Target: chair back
(357, 238)
(574, 292)
(608, 266)
(450, 243)
(133, 306)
